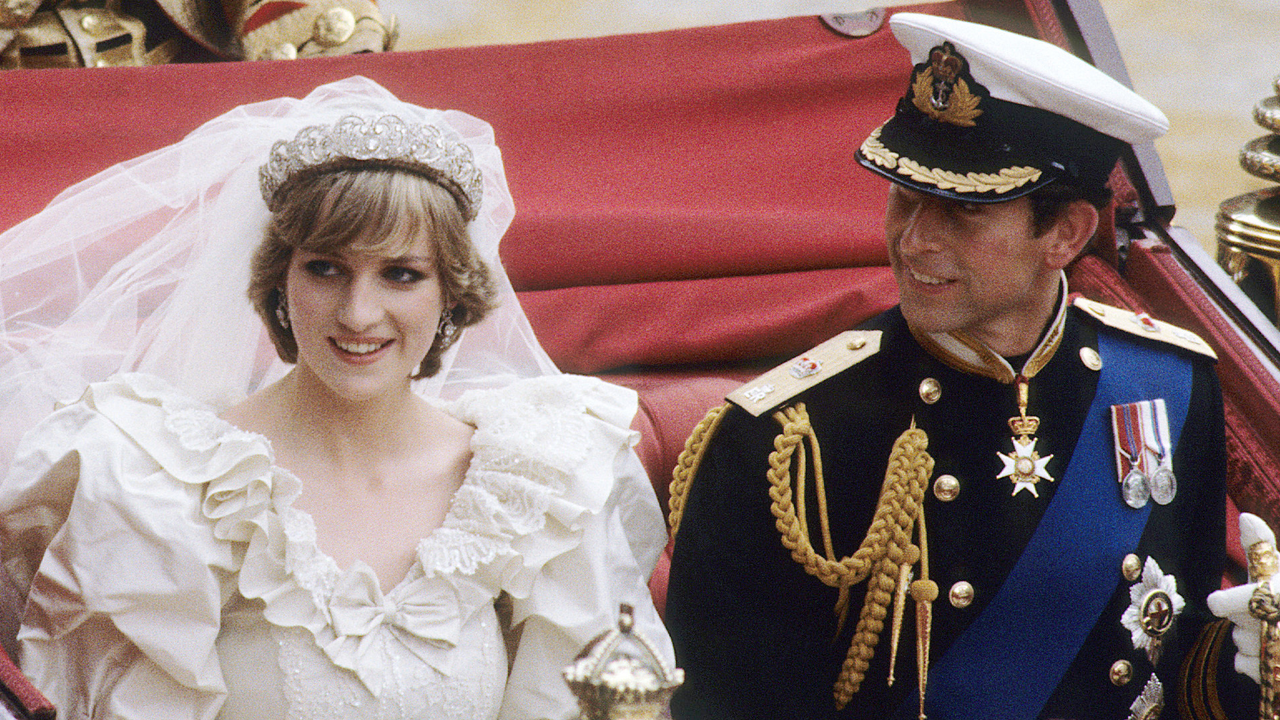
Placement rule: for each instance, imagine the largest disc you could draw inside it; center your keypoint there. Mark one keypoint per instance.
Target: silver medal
(1135, 490)
(1164, 486)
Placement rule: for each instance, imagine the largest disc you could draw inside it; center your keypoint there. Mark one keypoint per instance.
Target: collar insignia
(941, 88)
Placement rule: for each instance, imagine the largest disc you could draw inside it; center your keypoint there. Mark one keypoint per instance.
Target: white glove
(1233, 603)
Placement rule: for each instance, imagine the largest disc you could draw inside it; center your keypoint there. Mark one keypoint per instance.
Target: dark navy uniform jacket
(757, 637)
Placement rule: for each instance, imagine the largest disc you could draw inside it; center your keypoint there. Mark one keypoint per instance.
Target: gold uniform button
(930, 390)
(857, 343)
(961, 595)
(1121, 673)
(1090, 358)
(1131, 567)
(946, 488)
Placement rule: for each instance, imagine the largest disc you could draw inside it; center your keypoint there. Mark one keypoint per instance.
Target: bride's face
(364, 321)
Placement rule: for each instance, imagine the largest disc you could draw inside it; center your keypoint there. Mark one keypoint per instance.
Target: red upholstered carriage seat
(19, 699)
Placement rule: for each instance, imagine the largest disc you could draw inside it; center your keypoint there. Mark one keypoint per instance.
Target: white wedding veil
(145, 266)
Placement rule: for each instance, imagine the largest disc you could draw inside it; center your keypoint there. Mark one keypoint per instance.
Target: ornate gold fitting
(75, 35)
(1264, 561)
(620, 675)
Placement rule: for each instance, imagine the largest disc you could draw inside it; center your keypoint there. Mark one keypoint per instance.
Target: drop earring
(446, 329)
(282, 309)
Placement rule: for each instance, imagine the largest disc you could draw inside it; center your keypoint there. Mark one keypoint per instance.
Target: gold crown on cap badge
(940, 89)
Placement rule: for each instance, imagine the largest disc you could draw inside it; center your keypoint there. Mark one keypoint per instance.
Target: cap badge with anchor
(940, 90)
(989, 115)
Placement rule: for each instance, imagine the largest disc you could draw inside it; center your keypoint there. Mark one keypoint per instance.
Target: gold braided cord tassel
(835, 573)
(886, 547)
(924, 591)
(906, 478)
(1265, 605)
(695, 447)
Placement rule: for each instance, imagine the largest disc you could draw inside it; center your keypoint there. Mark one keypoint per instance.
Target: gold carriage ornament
(78, 33)
(283, 29)
(1248, 226)
(620, 676)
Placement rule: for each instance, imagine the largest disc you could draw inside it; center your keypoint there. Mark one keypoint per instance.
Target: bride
(360, 490)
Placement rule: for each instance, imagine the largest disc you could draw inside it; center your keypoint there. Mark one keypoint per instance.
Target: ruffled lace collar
(530, 439)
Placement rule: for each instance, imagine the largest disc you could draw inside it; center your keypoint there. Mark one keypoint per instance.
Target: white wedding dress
(180, 582)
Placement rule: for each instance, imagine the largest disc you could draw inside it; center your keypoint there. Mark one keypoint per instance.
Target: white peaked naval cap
(990, 115)
(1031, 72)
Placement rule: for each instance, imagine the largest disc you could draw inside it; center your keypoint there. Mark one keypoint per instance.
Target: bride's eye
(321, 268)
(402, 275)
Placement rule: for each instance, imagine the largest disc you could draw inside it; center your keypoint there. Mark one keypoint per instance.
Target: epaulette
(801, 373)
(1143, 325)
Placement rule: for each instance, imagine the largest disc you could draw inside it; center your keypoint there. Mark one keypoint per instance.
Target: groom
(994, 500)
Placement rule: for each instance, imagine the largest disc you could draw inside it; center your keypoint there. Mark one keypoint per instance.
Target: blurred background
(1204, 62)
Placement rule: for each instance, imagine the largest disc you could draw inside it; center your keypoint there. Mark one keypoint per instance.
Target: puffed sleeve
(573, 599)
(125, 573)
(597, 536)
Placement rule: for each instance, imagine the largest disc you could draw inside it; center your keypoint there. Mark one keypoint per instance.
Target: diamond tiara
(415, 147)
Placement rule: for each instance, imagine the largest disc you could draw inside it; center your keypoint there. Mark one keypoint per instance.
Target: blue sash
(1011, 659)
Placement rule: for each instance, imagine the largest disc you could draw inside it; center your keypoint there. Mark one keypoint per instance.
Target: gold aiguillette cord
(883, 551)
(924, 591)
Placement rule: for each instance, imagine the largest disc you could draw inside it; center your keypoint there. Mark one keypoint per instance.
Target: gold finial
(619, 675)
(1246, 225)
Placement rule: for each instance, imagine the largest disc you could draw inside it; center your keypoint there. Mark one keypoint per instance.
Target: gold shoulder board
(1146, 326)
(803, 372)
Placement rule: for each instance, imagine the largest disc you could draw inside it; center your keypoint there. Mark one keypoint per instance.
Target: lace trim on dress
(520, 504)
(315, 571)
(530, 438)
(241, 484)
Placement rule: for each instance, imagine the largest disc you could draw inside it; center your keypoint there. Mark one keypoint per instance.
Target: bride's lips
(359, 351)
